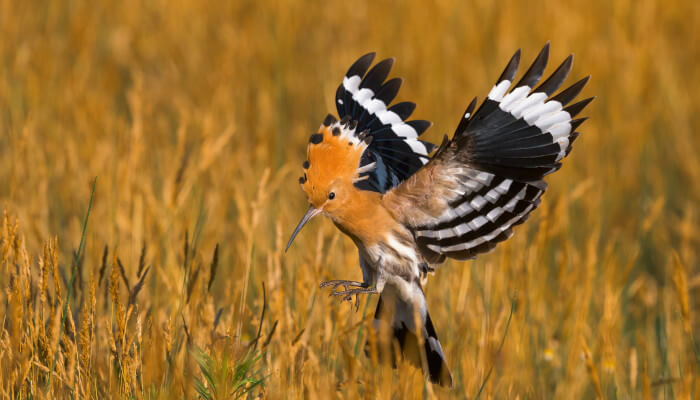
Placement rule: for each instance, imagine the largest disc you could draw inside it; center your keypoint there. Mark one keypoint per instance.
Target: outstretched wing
(364, 98)
(488, 178)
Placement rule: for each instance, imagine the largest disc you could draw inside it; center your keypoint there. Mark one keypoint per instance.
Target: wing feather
(489, 177)
(364, 99)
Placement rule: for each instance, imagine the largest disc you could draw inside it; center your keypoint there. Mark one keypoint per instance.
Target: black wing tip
(360, 66)
(576, 108)
(466, 117)
(577, 122)
(543, 54)
(387, 61)
(376, 76)
(551, 84)
(568, 63)
(470, 108)
(397, 81)
(516, 55)
(429, 147)
(403, 109)
(420, 125)
(568, 94)
(389, 90)
(511, 68)
(534, 73)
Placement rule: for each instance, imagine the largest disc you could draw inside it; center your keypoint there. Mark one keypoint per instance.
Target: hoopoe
(407, 211)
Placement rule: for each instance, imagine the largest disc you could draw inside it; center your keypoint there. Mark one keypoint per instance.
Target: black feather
(376, 76)
(568, 94)
(534, 73)
(316, 138)
(577, 122)
(404, 109)
(419, 125)
(389, 90)
(576, 108)
(509, 71)
(464, 121)
(557, 78)
(360, 66)
(329, 120)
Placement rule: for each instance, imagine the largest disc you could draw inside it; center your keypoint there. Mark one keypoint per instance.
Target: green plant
(225, 378)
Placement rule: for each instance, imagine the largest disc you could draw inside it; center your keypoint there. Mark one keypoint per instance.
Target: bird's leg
(349, 288)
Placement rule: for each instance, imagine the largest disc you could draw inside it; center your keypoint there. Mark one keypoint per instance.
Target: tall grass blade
(70, 283)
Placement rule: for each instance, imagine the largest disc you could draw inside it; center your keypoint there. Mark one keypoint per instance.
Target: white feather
(531, 101)
(352, 84)
(404, 130)
(546, 121)
(494, 214)
(388, 117)
(499, 90)
(503, 186)
(464, 209)
(532, 114)
(514, 97)
(478, 202)
(560, 130)
(374, 105)
(417, 147)
(363, 95)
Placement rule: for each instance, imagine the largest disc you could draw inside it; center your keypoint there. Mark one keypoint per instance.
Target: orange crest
(333, 161)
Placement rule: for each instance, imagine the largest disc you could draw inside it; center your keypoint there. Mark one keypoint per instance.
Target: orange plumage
(333, 168)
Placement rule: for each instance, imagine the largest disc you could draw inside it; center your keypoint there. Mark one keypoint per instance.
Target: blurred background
(193, 116)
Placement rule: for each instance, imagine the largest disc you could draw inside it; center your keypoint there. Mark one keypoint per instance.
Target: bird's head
(332, 168)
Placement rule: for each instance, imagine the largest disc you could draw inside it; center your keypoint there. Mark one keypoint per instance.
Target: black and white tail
(397, 319)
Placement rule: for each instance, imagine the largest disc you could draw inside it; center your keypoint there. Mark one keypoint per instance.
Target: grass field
(193, 116)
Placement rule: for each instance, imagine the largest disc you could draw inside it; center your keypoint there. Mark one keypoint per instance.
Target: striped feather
(484, 214)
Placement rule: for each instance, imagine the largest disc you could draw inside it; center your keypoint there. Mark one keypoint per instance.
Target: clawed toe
(335, 283)
(349, 288)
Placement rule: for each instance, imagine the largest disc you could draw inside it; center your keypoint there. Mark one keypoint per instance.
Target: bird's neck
(365, 218)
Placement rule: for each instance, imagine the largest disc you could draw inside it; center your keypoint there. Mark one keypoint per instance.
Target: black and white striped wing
(525, 133)
(483, 213)
(490, 173)
(364, 98)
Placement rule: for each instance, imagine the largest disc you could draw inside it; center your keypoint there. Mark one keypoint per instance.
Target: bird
(408, 204)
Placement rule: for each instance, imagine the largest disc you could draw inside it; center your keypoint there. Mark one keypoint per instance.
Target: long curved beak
(309, 214)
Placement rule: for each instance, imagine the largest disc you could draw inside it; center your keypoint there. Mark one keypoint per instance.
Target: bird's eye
(331, 195)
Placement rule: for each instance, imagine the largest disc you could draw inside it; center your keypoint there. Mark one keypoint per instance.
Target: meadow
(190, 120)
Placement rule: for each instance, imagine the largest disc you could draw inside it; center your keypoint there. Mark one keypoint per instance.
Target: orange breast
(366, 218)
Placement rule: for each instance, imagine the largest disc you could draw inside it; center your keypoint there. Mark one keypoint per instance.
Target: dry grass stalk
(592, 370)
(166, 109)
(680, 282)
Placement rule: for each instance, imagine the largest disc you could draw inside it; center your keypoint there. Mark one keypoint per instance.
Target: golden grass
(194, 117)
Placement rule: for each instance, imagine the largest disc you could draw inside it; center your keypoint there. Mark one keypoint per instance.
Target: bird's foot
(349, 288)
